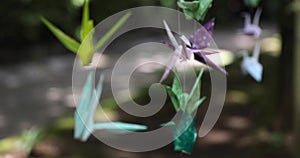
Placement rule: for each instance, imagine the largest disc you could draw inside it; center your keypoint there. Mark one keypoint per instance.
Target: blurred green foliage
(168, 3)
(20, 18)
(24, 142)
(252, 3)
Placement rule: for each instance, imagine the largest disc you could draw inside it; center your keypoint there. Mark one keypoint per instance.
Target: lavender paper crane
(84, 114)
(251, 65)
(197, 44)
(252, 28)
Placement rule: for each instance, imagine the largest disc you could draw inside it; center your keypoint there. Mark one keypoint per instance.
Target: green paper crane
(185, 132)
(84, 114)
(195, 9)
(252, 3)
(87, 49)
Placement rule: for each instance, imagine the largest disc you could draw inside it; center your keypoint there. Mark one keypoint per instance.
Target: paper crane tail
(203, 59)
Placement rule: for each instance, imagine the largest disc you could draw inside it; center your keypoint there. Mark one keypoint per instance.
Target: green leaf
(87, 25)
(66, 40)
(30, 138)
(108, 35)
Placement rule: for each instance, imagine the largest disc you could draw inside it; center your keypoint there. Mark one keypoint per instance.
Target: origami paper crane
(87, 47)
(195, 9)
(185, 132)
(84, 114)
(252, 28)
(197, 44)
(251, 65)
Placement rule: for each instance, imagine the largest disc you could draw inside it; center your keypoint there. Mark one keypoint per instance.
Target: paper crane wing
(171, 64)
(170, 35)
(82, 108)
(119, 127)
(92, 108)
(257, 16)
(203, 59)
(202, 37)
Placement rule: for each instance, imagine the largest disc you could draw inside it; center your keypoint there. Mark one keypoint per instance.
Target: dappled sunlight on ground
(235, 97)
(218, 137)
(34, 93)
(238, 122)
(272, 45)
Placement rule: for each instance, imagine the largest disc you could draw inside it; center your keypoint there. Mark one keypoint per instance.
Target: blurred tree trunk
(290, 69)
(297, 80)
(286, 69)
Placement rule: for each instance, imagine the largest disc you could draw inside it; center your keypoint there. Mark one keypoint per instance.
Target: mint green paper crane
(195, 9)
(187, 104)
(87, 49)
(84, 114)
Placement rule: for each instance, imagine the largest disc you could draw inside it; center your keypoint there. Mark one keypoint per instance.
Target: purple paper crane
(197, 44)
(252, 28)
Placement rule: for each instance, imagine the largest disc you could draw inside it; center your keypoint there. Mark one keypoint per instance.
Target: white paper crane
(251, 65)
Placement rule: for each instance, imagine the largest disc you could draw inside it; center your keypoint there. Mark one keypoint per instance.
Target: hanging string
(178, 20)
